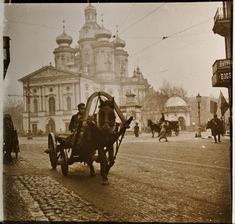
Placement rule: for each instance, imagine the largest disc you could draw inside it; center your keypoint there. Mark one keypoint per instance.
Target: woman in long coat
(163, 131)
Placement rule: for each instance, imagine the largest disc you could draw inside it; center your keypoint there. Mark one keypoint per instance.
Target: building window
(67, 88)
(51, 89)
(69, 103)
(51, 106)
(34, 90)
(35, 105)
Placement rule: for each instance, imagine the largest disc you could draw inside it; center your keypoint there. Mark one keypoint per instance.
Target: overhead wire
(169, 36)
(139, 20)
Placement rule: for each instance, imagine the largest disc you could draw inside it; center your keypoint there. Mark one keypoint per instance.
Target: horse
(99, 134)
(154, 127)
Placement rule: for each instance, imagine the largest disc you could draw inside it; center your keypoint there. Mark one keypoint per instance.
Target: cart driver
(76, 119)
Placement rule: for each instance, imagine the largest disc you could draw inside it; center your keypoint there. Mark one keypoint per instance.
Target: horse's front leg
(103, 165)
(92, 169)
(152, 134)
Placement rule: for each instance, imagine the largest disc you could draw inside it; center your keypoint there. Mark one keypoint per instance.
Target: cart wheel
(52, 150)
(64, 162)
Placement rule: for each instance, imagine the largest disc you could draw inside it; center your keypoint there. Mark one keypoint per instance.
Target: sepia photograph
(117, 112)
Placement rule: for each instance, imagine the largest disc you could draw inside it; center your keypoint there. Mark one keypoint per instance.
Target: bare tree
(169, 90)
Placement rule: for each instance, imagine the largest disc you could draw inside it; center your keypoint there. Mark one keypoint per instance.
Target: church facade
(99, 62)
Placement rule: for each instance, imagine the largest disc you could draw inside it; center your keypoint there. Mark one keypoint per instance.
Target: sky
(171, 42)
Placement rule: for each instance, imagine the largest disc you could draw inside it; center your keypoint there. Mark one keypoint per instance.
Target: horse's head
(106, 116)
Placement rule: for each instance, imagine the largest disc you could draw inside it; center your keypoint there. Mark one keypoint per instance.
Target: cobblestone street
(184, 180)
(44, 199)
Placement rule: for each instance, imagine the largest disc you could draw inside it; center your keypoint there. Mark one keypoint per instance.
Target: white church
(98, 62)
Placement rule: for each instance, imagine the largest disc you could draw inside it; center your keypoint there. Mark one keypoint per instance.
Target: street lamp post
(199, 98)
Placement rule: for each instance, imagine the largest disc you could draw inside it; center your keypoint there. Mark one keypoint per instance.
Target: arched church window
(34, 90)
(69, 107)
(35, 105)
(51, 89)
(51, 106)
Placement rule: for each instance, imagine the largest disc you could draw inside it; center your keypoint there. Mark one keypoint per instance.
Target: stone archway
(182, 123)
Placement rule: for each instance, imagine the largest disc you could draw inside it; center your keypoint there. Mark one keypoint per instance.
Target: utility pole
(29, 134)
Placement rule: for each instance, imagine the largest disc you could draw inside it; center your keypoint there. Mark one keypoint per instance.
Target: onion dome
(175, 101)
(119, 42)
(64, 38)
(103, 33)
(90, 8)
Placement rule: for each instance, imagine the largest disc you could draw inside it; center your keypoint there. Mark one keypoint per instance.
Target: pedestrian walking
(136, 130)
(163, 131)
(215, 125)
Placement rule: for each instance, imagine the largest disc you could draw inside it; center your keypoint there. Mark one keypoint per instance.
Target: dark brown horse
(154, 127)
(99, 135)
(171, 126)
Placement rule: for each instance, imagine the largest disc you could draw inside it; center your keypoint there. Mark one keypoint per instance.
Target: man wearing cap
(76, 118)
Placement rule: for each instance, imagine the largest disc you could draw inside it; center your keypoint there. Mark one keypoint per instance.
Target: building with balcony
(222, 68)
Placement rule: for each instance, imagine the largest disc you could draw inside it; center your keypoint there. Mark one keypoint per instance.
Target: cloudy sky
(168, 41)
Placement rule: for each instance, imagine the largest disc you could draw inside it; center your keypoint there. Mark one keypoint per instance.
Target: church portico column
(75, 96)
(57, 104)
(25, 104)
(45, 99)
(59, 96)
(41, 99)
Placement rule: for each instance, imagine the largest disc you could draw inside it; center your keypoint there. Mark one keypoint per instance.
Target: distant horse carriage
(10, 139)
(98, 132)
(172, 126)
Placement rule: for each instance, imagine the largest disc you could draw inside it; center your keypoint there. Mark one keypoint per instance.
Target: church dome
(90, 8)
(64, 38)
(119, 42)
(103, 33)
(175, 101)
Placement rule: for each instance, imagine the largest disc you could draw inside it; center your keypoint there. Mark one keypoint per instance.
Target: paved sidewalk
(40, 198)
